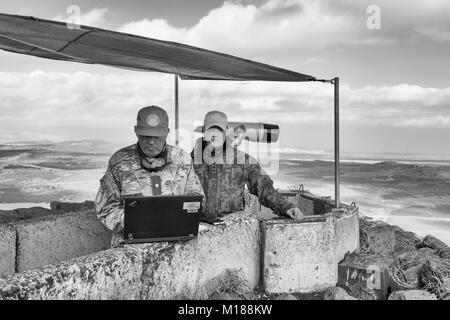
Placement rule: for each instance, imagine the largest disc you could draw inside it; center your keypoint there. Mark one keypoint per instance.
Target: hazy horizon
(285, 153)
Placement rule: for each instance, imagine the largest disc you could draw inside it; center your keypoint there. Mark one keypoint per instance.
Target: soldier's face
(215, 136)
(152, 146)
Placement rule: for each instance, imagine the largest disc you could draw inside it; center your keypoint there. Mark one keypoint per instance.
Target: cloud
(267, 31)
(86, 105)
(435, 34)
(93, 18)
(401, 105)
(324, 38)
(156, 28)
(288, 32)
(75, 105)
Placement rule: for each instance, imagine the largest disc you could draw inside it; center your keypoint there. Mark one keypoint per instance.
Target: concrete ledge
(148, 271)
(7, 250)
(347, 233)
(52, 239)
(310, 204)
(306, 256)
(303, 256)
(300, 257)
(111, 274)
(188, 269)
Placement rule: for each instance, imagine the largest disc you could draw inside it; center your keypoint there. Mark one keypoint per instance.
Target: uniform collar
(154, 163)
(210, 155)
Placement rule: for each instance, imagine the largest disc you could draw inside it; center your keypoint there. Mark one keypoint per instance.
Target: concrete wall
(347, 232)
(299, 257)
(303, 257)
(189, 270)
(111, 274)
(38, 242)
(148, 271)
(53, 239)
(7, 250)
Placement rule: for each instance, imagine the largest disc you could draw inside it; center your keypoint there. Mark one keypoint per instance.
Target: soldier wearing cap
(150, 167)
(224, 171)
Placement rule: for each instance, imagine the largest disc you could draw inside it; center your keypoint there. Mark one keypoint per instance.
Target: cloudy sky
(395, 93)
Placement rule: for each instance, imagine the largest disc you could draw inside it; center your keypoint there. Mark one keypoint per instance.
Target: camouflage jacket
(125, 177)
(224, 181)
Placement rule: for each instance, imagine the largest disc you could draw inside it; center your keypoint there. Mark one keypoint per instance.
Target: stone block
(412, 295)
(336, 293)
(347, 233)
(366, 277)
(53, 239)
(72, 207)
(194, 268)
(286, 296)
(108, 275)
(299, 256)
(405, 241)
(414, 261)
(381, 239)
(7, 250)
(434, 243)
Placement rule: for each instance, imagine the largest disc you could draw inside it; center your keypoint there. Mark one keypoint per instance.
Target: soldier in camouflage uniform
(148, 168)
(224, 171)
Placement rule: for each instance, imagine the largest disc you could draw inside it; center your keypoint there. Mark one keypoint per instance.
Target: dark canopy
(54, 40)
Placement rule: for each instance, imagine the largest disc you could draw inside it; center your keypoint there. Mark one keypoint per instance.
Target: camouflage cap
(215, 119)
(152, 121)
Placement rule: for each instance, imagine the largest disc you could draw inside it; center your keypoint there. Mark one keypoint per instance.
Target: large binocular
(251, 131)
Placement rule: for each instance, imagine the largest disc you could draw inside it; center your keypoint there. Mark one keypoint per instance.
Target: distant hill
(85, 145)
(27, 143)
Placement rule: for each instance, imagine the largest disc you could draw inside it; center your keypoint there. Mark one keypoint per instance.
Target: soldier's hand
(295, 213)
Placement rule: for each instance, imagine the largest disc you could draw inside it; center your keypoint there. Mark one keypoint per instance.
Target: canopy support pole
(177, 113)
(337, 181)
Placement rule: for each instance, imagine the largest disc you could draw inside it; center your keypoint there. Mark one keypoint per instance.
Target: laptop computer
(161, 218)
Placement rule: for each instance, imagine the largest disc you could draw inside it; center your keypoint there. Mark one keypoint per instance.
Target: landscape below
(414, 194)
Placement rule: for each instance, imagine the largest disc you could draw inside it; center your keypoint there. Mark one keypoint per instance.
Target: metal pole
(177, 120)
(337, 195)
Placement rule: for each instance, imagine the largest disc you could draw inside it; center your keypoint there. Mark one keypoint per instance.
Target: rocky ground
(410, 268)
(56, 207)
